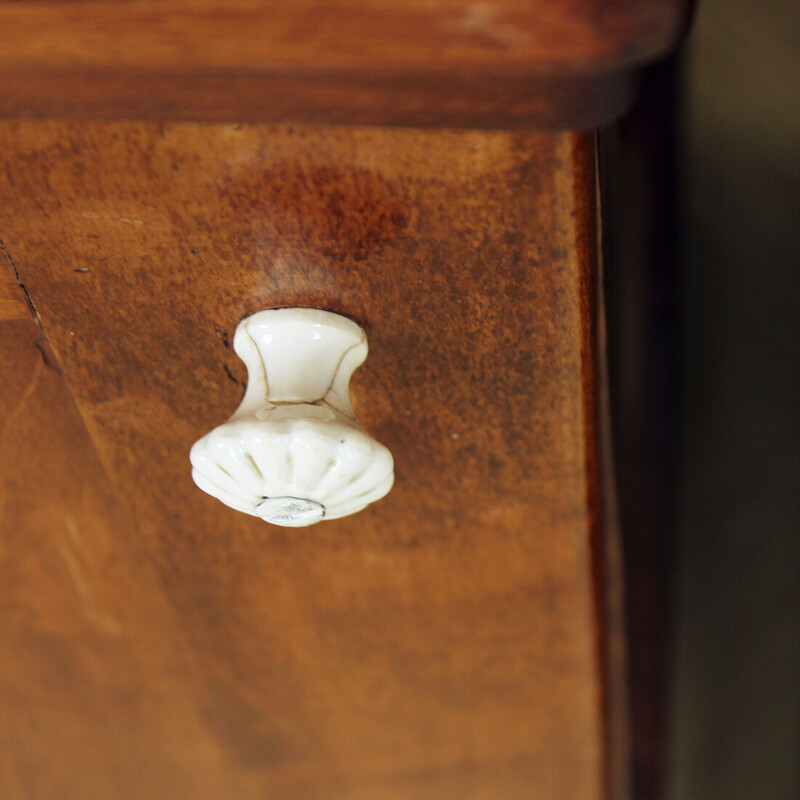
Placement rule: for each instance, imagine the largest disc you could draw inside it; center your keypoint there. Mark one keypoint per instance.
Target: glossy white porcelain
(293, 452)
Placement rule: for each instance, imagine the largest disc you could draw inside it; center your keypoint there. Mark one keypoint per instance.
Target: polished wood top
(562, 63)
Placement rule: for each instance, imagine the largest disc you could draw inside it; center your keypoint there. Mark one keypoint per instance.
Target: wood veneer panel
(12, 299)
(447, 641)
(426, 62)
(98, 695)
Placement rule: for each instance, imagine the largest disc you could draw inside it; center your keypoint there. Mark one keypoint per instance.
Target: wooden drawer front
(441, 644)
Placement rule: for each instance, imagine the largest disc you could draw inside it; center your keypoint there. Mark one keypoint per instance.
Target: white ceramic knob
(293, 453)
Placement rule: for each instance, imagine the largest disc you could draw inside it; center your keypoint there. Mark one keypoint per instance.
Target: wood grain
(389, 97)
(13, 304)
(98, 695)
(507, 63)
(448, 642)
(336, 33)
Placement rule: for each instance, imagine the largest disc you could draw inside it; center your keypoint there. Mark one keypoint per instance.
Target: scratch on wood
(41, 345)
(69, 552)
(21, 285)
(47, 358)
(231, 375)
(109, 218)
(223, 334)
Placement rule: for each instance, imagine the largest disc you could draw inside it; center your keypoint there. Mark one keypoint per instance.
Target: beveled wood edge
(604, 528)
(608, 565)
(422, 99)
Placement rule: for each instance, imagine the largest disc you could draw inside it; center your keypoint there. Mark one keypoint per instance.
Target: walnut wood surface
(452, 640)
(98, 691)
(505, 63)
(336, 33)
(389, 97)
(12, 301)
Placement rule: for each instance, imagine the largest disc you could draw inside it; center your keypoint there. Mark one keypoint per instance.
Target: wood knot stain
(341, 213)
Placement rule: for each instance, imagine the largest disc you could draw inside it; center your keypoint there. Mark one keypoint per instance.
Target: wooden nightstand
(429, 170)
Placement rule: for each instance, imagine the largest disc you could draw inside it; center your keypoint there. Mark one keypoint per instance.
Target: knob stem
(298, 355)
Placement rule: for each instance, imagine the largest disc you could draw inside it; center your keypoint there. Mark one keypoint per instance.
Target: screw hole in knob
(293, 452)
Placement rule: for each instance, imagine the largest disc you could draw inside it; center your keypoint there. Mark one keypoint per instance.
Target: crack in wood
(23, 288)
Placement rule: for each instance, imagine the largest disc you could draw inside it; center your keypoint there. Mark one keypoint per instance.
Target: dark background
(735, 707)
